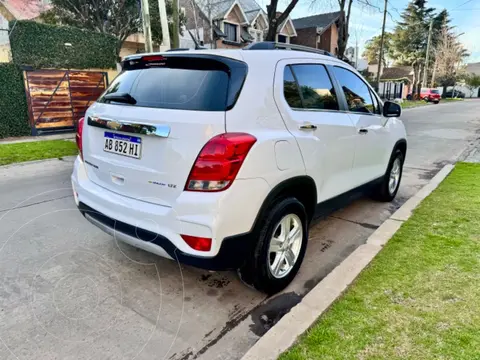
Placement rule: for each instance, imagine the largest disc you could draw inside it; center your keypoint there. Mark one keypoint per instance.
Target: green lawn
(27, 151)
(420, 297)
(415, 103)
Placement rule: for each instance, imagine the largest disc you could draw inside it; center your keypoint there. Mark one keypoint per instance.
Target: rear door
(308, 103)
(371, 139)
(143, 135)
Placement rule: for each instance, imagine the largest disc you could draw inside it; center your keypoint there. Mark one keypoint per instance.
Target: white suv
(220, 158)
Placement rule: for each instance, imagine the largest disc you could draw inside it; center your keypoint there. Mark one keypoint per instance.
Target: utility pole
(380, 55)
(147, 31)
(425, 71)
(176, 25)
(164, 23)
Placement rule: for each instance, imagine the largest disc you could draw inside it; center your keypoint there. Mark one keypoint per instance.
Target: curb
(67, 136)
(301, 317)
(52, 160)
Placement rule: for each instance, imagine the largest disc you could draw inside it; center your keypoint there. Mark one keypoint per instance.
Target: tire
(426, 99)
(257, 271)
(384, 192)
(436, 102)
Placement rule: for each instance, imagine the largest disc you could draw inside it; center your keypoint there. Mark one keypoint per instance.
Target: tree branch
(287, 12)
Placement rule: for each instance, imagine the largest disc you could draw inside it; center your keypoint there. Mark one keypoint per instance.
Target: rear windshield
(173, 88)
(435, 91)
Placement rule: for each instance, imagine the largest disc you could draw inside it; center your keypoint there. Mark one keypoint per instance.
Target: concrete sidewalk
(67, 136)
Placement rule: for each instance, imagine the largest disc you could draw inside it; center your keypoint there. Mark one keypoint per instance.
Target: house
(17, 10)
(318, 31)
(395, 82)
(234, 23)
(31, 10)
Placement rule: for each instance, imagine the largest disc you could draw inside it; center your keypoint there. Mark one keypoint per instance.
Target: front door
(309, 107)
(365, 112)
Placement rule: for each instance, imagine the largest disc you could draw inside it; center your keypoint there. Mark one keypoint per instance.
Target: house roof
(397, 72)
(320, 21)
(25, 9)
(220, 8)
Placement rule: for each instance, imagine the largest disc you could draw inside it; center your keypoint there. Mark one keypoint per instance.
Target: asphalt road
(69, 291)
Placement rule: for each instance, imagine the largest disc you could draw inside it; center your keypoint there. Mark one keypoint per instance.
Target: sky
(366, 22)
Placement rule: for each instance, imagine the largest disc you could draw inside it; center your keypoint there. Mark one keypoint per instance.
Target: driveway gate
(57, 99)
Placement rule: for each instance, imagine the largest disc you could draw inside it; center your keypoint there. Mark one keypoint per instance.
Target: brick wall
(306, 37)
(326, 40)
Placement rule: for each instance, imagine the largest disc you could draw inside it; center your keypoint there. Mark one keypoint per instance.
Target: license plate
(120, 144)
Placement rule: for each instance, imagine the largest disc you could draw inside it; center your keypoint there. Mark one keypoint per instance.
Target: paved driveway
(68, 291)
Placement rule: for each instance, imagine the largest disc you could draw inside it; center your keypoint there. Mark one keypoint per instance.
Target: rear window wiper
(121, 97)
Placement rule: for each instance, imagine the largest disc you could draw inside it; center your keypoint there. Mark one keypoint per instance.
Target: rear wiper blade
(121, 97)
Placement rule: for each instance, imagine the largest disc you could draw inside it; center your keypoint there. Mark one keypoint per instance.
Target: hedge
(43, 46)
(13, 102)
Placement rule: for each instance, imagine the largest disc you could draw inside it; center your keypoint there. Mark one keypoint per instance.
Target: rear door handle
(308, 127)
(363, 131)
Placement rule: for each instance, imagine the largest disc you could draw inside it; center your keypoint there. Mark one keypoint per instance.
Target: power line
(466, 2)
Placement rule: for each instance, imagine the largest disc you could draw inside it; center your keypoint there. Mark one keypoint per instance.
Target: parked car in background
(430, 95)
(220, 158)
(455, 94)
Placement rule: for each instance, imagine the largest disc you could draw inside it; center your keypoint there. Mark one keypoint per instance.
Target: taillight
(198, 243)
(78, 136)
(219, 161)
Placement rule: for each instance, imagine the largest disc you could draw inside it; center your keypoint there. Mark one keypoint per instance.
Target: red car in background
(430, 95)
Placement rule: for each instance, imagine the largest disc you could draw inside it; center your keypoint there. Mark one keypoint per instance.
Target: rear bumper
(232, 254)
(226, 217)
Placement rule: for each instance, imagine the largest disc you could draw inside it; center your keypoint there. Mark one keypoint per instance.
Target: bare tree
(449, 55)
(273, 21)
(345, 6)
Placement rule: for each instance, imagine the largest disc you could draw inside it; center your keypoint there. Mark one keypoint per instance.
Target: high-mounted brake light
(149, 58)
(219, 161)
(78, 136)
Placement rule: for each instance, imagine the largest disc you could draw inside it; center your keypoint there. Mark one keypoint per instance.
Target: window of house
(356, 91)
(230, 30)
(282, 38)
(259, 36)
(316, 88)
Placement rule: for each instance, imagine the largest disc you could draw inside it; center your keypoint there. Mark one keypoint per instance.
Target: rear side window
(316, 90)
(184, 83)
(290, 89)
(356, 91)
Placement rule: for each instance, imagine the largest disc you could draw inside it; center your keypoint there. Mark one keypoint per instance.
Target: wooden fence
(57, 99)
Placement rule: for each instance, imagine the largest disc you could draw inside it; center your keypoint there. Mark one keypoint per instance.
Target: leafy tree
(120, 18)
(372, 49)
(410, 38)
(472, 81)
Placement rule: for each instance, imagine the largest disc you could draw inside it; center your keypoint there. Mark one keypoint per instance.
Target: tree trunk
(175, 36)
(272, 31)
(342, 44)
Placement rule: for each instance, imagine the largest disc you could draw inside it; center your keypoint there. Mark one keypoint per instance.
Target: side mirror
(391, 109)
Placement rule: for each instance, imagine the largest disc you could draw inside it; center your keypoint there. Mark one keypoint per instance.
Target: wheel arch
(402, 146)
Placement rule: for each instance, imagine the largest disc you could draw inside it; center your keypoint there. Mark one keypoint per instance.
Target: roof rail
(270, 45)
